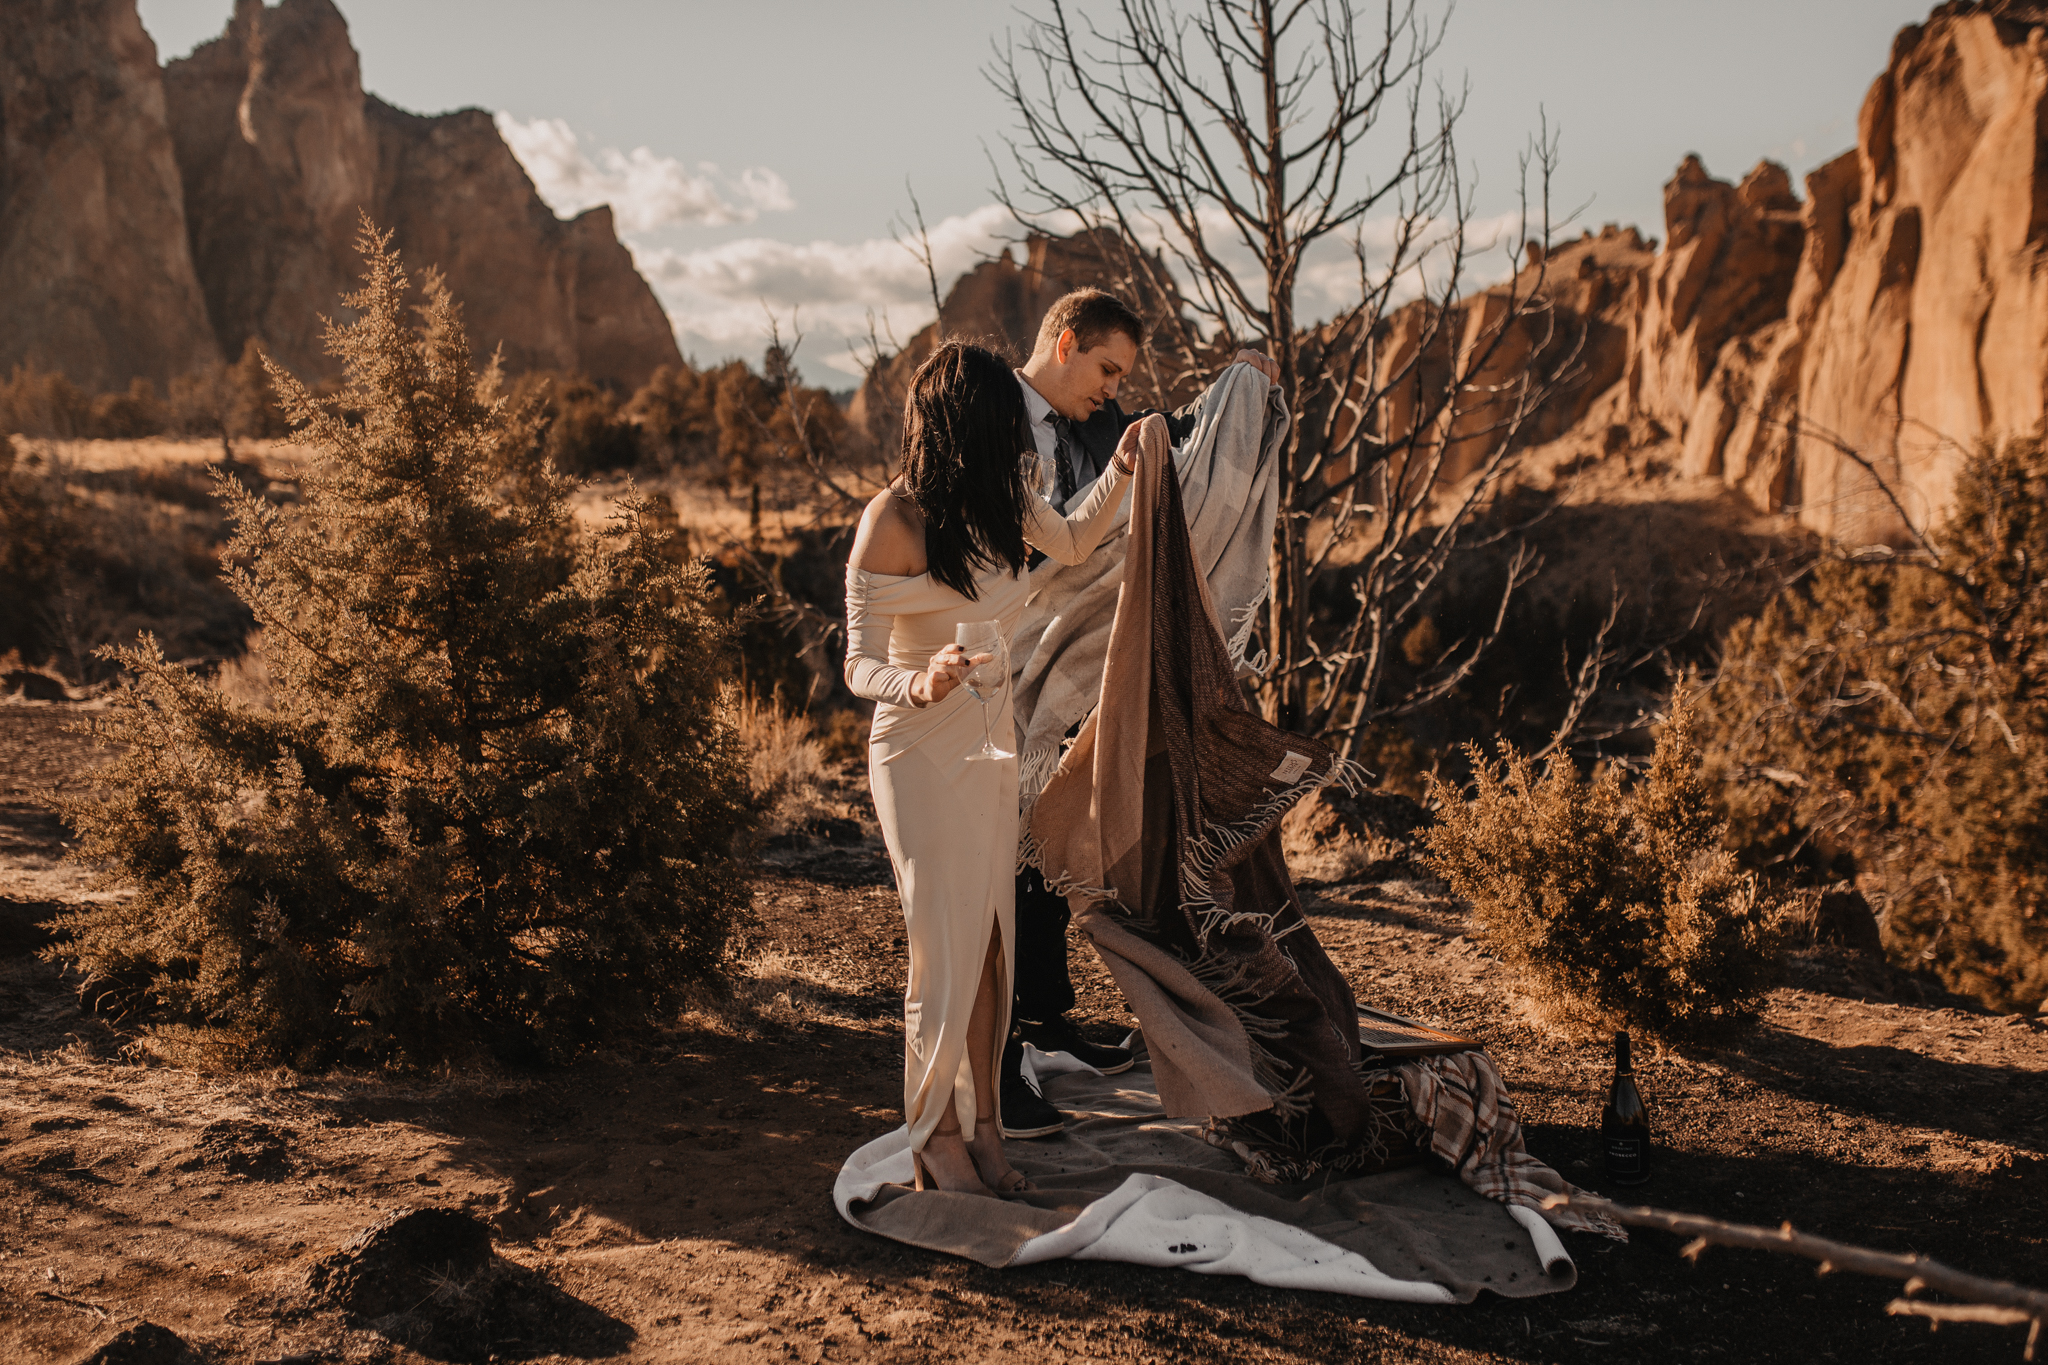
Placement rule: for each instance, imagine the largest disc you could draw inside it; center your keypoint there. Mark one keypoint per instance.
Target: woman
(946, 543)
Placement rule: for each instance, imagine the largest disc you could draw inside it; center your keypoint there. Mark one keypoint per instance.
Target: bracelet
(1121, 467)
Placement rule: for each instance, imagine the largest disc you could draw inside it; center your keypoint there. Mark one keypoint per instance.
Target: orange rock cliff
(154, 220)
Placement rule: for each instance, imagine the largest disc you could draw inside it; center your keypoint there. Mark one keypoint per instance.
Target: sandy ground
(669, 1200)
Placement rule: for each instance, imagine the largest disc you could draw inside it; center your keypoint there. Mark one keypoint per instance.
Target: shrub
(128, 416)
(88, 557)
(1614, 903)
(1887, 719)
(676, 412)
(228, 402)
(38, 529)
(584, 427)
(493, 802)
(42, 403)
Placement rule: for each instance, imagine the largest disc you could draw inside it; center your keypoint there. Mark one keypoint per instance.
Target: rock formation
(95, 279)
(153, 221)
(1916, 319)
(281, 151)
(999, 304)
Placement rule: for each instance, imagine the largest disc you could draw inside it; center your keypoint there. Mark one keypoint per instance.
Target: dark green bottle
(1625, 1123)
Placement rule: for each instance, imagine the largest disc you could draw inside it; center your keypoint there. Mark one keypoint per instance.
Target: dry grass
(1612, 904)
(246, 679)
(786, 768)
(161, 452)
(773, 989)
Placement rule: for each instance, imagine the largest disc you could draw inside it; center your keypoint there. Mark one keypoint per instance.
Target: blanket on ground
(1228, 486)
(1161, 827)
(1124, 1183)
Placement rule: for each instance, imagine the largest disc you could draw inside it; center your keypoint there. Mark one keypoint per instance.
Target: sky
(760, 157)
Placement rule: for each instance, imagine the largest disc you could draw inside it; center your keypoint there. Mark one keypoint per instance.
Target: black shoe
(1026, 1114)
(1058, 1034)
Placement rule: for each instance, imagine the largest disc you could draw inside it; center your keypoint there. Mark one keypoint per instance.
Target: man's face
(1082, 381)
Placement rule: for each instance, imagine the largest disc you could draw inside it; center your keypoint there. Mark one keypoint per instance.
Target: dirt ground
(669, 1201)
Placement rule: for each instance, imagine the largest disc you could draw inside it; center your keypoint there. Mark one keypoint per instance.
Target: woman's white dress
(950, 824)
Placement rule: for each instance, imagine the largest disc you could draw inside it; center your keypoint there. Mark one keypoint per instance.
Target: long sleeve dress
(950, 824)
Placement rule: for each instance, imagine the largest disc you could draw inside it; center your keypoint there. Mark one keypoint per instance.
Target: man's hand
(1259, 361)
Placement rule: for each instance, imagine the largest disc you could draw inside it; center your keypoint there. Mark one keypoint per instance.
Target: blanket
(1124, 1183)
(1228, 483)
(1160, 825)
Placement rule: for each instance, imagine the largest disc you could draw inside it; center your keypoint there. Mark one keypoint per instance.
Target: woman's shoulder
(891, 537)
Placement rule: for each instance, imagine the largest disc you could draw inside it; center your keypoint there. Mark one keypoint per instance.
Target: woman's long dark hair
(965, 433)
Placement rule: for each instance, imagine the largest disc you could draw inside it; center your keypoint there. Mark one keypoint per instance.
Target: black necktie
(1063, 457)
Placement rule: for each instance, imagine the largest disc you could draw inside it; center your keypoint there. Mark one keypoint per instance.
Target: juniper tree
(1611, 902)
(1887, 718)
(493, 807)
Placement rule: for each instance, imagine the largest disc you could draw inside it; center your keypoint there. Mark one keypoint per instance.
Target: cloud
(645, 191)
(720, 296)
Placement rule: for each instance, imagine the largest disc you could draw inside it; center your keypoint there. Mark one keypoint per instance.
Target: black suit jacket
(1100, 433)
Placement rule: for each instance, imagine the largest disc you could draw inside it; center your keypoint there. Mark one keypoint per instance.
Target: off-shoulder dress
(950, 824)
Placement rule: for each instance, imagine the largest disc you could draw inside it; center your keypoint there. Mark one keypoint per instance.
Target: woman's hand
(1128, 447)
(943, 672)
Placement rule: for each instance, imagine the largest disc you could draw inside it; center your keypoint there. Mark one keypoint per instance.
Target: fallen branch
(1999, 1302)
(86, 1304)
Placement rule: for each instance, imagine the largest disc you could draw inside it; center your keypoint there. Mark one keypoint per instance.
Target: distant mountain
(96, 275)
(151, 221)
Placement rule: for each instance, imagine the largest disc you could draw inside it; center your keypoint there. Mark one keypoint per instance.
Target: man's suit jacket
(1100, 433)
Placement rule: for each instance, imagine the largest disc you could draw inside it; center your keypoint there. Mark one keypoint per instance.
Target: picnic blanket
(1124, 1182)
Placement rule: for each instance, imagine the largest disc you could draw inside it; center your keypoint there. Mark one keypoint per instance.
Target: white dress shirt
(1046, 441)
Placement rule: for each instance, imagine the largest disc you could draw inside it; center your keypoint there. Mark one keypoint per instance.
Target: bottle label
(1624, 1157)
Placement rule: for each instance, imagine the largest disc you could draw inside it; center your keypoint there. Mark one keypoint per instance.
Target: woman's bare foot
(993, 1163)
(946, 1163)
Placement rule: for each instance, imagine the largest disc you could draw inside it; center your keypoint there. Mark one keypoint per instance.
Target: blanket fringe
(1243, 621)
(1035, 769)
(1204, 855)
(1227, 982)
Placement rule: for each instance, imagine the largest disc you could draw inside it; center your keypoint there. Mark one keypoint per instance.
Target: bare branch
(2016, 1302)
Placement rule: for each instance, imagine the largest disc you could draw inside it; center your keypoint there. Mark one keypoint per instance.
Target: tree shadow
(1897, 1085)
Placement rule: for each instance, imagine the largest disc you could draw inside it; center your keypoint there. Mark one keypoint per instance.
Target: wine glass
(985, 680)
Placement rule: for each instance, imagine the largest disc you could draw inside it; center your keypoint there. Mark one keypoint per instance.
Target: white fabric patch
(1291, 768)
(1549, 1250)
(1150, 1220)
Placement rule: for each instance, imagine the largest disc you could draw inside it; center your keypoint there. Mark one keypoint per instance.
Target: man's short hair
(1093, 315)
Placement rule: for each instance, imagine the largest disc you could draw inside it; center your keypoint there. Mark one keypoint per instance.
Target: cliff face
(1915, 322)
(281, 150)
(95, 279)
(152, 221)
(276, 158)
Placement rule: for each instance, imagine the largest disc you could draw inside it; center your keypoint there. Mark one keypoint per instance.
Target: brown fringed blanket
(1161, 826)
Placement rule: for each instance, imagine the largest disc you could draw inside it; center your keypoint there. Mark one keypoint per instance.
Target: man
(1086, 347)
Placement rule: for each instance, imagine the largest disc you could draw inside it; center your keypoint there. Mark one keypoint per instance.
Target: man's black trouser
(1044, 990)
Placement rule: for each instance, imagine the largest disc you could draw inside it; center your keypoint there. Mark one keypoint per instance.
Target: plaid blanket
(1462, 1114)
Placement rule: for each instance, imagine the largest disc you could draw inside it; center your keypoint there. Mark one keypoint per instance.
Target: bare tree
(1232, 147)
(919, 244)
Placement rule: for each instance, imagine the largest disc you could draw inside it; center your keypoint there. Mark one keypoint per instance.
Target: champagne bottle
(1625, 1123)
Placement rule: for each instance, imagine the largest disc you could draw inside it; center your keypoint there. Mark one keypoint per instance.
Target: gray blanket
(1124, 1183)
(1230, 491)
